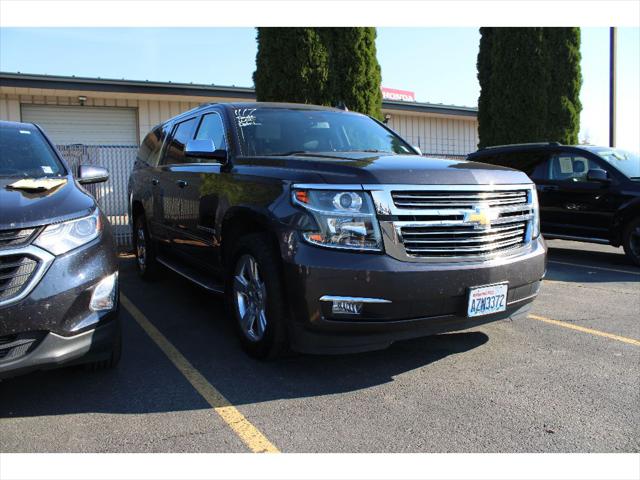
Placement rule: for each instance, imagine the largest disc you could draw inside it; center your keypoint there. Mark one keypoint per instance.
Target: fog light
(104, 294)
(342, 307)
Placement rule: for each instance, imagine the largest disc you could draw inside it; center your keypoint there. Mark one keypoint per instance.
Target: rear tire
(254, 297)
(631, 240)
(146, 262)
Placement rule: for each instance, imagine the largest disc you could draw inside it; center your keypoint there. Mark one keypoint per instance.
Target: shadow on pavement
(588, 256)
(195, 323)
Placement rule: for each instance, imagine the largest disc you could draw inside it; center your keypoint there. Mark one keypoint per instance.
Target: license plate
(488, 299)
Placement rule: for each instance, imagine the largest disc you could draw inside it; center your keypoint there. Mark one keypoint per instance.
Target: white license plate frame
(496, 299)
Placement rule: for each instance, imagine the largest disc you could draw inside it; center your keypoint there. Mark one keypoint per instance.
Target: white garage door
(86, 125)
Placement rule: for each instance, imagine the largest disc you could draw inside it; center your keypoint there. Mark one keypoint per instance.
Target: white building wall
(150, 111)
(436, 134)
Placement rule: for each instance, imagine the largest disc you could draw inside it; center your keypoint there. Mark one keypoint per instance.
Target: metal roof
(26, 80)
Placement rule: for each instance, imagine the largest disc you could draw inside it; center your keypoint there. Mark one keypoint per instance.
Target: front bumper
(53, 323)
(59, 303)
(52, 351)
(421, 298)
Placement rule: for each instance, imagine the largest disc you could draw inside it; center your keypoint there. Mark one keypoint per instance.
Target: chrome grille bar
(440, 199)
(474, 249)
(467, 239)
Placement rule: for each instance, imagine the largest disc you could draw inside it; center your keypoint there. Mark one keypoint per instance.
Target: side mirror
(204, 149)
(598, 175)
(417, 149)
(92, 174)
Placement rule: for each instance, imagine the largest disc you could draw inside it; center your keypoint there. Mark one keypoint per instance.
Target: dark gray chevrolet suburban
(327, 232)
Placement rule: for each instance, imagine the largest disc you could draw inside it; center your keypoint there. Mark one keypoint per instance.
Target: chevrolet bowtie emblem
(480, 217)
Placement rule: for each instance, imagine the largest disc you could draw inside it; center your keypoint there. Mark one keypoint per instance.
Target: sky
(438, 64)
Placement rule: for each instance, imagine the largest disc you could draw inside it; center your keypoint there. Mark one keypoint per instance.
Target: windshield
(628, 163)
(25, 153)
(280, 131)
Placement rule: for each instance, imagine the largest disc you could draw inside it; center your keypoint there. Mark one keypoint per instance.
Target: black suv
(58, 265)
(586, 193)
(329, 233)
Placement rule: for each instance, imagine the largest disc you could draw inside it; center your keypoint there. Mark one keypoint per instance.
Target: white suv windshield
(628, 163)
(286, 131)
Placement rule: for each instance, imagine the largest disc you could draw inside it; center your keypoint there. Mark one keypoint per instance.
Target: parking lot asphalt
(566, 379)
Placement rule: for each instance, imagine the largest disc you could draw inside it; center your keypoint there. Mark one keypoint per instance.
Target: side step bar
(192, 274)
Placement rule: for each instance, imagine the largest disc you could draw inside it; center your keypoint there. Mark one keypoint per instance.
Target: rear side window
(527, 162)
(151, 146)
(566, 167)
(182, 133)
(212, 128)
(24, 152)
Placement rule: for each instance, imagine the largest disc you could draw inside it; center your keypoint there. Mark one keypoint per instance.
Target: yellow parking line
(630, 272)
(631, 341)
(247, 432)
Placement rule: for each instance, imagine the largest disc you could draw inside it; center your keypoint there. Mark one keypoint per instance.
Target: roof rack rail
(533, 144)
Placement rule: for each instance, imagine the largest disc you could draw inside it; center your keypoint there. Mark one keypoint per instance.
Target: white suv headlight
(59, 238)
(346, 219)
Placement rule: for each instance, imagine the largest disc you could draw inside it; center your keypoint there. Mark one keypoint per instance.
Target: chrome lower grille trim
(454, 223)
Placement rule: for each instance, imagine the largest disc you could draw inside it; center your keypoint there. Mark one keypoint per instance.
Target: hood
(367, 168)
(24, 208)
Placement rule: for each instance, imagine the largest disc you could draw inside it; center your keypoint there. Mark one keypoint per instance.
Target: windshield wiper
(285, 154)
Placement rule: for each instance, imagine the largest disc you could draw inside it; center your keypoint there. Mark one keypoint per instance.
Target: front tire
(254, 297)
(146, 262)
(115, 353)
(631, 240)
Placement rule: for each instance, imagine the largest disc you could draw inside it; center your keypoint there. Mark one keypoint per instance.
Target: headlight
(536, 213)
(59, 238)
(345, 219)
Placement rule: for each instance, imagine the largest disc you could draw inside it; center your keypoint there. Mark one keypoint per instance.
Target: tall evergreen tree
(323, 66)
(291, 66)
(530, 84)
(485, 123)
(354, 71)
(562, 47)
(518, 105)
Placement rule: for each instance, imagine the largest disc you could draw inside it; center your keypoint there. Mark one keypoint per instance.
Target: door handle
(182, 183)
(547, 188)
(155, 181)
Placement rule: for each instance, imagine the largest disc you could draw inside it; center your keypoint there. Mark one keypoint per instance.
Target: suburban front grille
(15, 237)
(15, 273)
(456, 223)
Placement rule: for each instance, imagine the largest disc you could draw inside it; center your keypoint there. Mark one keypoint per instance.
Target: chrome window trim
(45, 259)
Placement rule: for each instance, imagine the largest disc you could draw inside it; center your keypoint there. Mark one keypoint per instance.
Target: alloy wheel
(250, 295)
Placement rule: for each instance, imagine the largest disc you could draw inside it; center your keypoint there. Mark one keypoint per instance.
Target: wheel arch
(622, 219)
(242, 221)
